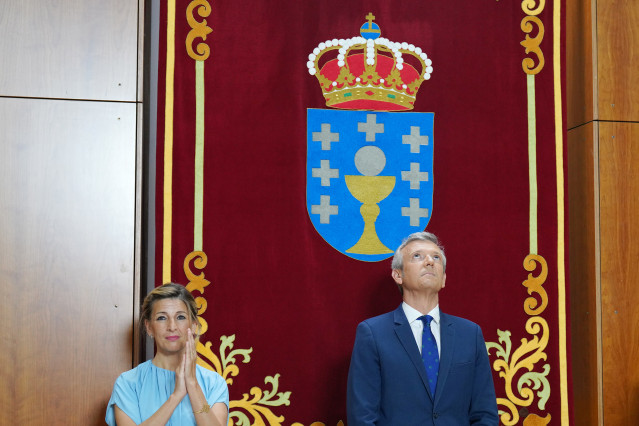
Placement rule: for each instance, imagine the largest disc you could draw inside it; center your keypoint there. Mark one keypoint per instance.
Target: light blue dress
(142, 391)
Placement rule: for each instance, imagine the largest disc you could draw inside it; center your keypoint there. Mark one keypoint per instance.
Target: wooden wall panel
(69, 49)
(584, 291)
(67, 203)
(618, 54)
(579, 63)
(619, 204)
(604, 258)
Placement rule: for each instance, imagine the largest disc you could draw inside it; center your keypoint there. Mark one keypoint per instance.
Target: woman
(170, 389)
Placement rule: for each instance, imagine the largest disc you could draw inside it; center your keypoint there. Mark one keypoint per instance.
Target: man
(390, 376)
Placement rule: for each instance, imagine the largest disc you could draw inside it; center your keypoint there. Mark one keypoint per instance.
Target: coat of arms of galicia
(369, 172)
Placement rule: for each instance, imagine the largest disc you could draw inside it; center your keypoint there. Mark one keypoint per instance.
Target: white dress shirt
(418, 326)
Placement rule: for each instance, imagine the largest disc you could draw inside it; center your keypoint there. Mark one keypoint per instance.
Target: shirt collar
(412, 314)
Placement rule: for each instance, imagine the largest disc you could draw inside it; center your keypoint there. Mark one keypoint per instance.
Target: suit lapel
(407, 339)
(447, 342)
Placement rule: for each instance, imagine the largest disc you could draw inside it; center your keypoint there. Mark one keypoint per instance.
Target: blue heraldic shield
(369, 178)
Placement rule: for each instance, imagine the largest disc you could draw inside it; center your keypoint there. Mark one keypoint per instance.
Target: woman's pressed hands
(190, 361)
(180, 379)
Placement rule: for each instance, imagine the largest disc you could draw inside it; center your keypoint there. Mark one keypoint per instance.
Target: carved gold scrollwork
(526, 356)
(197, 282)
(532, 305)
(535, 420)
(225, 365)
(202, 305)
(510, 417)
(256, 409)
(532, 44)
(199, 29)
(524, 373)
(256, 406)
(528, 6)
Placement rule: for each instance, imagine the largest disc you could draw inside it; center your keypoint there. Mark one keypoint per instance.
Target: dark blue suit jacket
(387, 383)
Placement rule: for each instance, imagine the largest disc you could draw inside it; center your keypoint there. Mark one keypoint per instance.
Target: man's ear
(397, 276)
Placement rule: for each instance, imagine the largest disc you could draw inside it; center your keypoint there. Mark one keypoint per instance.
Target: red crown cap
(369, 72)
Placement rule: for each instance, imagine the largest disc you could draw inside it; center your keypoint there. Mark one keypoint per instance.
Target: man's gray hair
(398, 259)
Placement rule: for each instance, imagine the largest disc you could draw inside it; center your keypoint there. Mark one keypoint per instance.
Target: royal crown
(369, 72)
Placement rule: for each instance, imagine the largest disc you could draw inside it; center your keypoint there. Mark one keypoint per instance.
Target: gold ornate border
(525, 366)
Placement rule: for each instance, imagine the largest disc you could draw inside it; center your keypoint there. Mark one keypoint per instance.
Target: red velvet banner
(241, 219)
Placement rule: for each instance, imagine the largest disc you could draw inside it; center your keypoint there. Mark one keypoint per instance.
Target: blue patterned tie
(430, 356)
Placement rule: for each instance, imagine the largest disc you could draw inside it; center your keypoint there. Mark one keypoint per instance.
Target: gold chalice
(369, 190)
